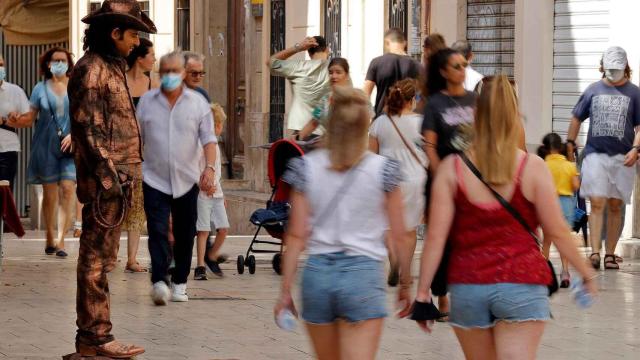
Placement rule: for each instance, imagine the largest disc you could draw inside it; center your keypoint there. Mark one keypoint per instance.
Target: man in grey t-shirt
(611, 152)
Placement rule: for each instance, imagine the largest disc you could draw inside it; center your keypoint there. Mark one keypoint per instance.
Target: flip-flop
(50, 250)
(61, 253)
(136, 269)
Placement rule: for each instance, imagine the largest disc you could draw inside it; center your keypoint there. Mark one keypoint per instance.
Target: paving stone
(231, 318)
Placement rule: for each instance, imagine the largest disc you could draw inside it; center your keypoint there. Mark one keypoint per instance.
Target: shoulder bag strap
(53, 115)
(505, 204)
(406, 143)
(335, 200)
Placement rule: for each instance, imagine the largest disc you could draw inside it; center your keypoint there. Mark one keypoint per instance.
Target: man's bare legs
(595, 226)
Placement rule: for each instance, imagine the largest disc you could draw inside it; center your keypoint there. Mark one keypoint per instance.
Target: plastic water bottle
(580, 294)
(286, 320)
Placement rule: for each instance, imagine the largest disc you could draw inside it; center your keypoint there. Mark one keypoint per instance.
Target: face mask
(614, 76)
(171, 81)
(3, 73)
(59, 68)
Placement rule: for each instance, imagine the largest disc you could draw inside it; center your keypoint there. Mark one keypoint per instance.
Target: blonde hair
(219, 117)
(347, 132)
(496, 135)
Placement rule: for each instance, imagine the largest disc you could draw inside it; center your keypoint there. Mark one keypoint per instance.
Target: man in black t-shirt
(386, 70)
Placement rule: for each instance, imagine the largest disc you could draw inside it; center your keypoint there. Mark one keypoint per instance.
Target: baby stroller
(275, 216)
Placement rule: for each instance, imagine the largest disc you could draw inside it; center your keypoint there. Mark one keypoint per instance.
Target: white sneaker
(179, 293)
(160, 293)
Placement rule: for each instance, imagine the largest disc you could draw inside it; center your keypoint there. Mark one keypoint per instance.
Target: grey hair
(463, 47)
(176, 54)
(190, 55)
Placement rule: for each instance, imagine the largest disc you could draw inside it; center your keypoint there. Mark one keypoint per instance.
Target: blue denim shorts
(568, 205)
(482, 306)
(338, 286)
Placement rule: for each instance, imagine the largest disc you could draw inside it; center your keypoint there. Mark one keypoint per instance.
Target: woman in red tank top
(497, 275)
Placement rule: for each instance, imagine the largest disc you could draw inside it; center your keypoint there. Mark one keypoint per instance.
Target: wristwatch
(572, 142)
(637, 147)
(212, 167)
(296, 46)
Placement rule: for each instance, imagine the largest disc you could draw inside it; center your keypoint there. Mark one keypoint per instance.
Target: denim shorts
(568, 205)
(338, 286)
(482, 306)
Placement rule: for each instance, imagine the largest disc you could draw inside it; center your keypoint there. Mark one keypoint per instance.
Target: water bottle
(286, 320)
(580, 294)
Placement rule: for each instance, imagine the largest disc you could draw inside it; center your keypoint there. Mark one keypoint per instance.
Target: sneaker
(179, 293)
(200, 273)
(160, 293)
(214, 267)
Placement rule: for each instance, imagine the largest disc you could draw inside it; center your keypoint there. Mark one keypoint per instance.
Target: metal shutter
(581, 34)
(22, 70)
(491, 32)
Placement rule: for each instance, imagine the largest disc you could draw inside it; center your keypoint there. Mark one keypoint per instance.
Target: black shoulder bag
(553, 286)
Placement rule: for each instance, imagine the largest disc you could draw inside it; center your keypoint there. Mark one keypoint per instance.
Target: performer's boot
(113, 349)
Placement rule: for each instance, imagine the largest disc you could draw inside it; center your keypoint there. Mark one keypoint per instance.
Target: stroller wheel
(251, 264)
(276, 263)
(240, 264)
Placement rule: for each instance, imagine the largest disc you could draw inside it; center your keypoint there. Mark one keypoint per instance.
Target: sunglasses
(197, 73)
(459, 66)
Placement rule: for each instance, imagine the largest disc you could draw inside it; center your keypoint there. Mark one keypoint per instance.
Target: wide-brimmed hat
(615, 58)
(127, 12)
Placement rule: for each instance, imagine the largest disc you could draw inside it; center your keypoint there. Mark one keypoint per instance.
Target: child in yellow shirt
(565, 177)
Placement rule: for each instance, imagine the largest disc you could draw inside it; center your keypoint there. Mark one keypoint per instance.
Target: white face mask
(614, 76)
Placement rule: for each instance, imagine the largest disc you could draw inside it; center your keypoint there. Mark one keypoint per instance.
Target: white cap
(615, 58)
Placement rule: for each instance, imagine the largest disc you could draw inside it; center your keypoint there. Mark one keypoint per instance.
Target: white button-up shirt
(12, 99)
(173, 139)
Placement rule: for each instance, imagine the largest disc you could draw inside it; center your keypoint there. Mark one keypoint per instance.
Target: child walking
(567, 182)
(212, 214)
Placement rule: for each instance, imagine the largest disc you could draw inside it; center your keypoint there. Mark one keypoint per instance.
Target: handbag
(406, 144)
(553, 286)
(59, 132)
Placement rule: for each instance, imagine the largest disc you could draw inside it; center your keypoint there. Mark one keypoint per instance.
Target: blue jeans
(158, 206)
(339, 286)
(483, 305)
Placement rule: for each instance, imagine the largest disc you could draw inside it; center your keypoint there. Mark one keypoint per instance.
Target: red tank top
(488, 245)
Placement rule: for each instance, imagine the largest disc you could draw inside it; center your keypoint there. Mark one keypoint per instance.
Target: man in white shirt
(13, 103)
(175, 125)
(309, 78)
(472, 77)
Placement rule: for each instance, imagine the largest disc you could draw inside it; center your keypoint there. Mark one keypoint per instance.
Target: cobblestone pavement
(231, 318)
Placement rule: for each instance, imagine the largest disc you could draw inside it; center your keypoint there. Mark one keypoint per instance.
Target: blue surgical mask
(3, 73)
(171, 81)
(59, 68)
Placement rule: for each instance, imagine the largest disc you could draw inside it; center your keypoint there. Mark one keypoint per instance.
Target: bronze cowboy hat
(125, 11)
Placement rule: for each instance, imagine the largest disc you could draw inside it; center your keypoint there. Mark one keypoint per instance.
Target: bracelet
(572, 142)
(590, 278)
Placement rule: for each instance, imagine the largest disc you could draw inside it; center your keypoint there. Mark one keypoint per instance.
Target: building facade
(551, 48)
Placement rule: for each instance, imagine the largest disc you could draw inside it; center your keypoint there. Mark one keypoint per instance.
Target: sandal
(610, 262)
(595, 262)
(135, 268)
(444, 317)
(77, 232)
(565, 281)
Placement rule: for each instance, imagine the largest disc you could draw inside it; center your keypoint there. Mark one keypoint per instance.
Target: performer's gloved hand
(111, 188)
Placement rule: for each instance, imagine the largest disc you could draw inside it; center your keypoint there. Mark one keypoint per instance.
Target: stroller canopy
(280, 153)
